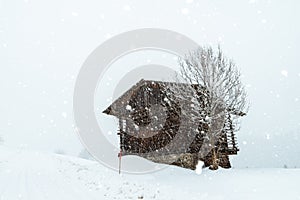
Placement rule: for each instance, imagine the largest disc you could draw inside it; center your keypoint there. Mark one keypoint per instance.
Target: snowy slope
(36, 176)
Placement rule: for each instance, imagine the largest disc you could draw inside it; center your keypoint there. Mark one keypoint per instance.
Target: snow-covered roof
(120, 106)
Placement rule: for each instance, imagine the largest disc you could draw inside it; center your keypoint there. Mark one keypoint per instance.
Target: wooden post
(120, 159)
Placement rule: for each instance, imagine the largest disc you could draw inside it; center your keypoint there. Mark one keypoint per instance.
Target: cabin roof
(119, 107)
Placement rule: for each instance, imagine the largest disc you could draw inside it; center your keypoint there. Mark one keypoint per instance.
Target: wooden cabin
(152, 125)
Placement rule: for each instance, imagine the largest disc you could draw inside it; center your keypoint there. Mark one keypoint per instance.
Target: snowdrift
(38, 176)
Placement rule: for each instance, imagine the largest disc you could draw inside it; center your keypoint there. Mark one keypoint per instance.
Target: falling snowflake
(199, 167)
(127, 8)
(263, 21)
(185, 11)
(252, 1)
(64, 115)
(128, 107)
(75, 14)
(284, 73)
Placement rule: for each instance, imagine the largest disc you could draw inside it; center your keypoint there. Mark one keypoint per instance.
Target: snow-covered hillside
(37, 176)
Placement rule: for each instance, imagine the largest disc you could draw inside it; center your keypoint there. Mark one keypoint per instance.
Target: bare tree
(220, 78)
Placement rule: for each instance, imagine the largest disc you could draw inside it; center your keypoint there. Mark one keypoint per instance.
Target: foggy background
(43, 45)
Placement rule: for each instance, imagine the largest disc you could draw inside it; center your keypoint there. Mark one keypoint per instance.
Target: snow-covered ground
(37, 176)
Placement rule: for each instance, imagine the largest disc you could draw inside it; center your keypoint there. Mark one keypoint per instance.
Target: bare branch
(219, 87)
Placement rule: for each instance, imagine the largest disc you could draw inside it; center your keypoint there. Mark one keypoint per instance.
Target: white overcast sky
(44, 43)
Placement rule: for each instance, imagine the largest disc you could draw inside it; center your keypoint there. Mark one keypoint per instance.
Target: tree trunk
(214, 165)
